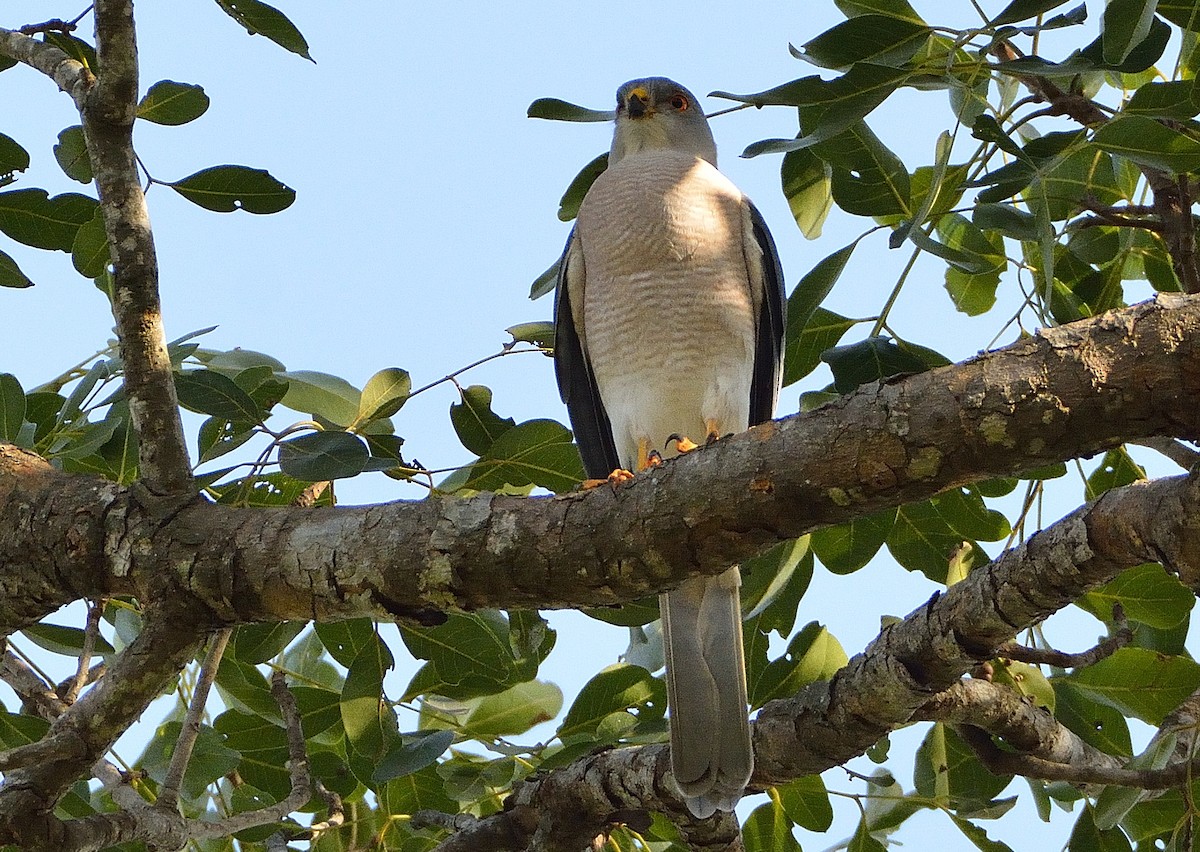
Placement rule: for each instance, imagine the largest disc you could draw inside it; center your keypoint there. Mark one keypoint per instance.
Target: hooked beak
(638, 103)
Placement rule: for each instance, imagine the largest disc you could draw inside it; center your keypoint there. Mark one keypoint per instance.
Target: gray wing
(577, 385)
(768, 352)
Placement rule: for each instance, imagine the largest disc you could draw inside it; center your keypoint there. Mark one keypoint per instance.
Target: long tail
(711, 756)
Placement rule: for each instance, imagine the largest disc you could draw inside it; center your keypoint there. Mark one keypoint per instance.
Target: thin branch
(1180, 453)
(37, 696)
(168, 795)
(91, 631)
(1000, 762)
(69, 75)
(108, 115)
(1122, 635)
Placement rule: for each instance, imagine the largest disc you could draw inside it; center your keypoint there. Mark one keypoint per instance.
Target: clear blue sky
(426, 205)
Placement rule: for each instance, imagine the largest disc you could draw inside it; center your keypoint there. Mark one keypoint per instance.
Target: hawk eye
(679, 102)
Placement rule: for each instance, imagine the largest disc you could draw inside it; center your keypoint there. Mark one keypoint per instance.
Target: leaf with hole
(229, 188)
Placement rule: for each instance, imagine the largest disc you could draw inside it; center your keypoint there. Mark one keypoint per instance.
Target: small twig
(91, 676)
(1122, 636)
(37, 696)
(63, 746)
(54, 25)
(90, 631)
(168, 794)
(449, 822)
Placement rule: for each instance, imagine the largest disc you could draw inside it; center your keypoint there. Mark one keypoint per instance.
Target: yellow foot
(682, 443)
(614, 479)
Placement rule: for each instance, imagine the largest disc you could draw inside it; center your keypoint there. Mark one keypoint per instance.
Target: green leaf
(72, 155)
(829, 107)
(171, 103)
(884, 40)
(947, 770)
(470, 655)
(619, 688)
(807, 186)
(568, 205)
(17, 730)
(31, 217)
(89, 251)
(263, 747)
(868, 178)
(1126, 24)
(1007, 219)
(803, 351)
(228, 188)
(60, 639)
(209, 392)
(384, 394)
(806, 803)
(1117, 469)
(1149, 143)
(260, 19)
(845, 548)
(11, 274)
(345, 639)
(13, 158)
(814, 287)
(1086, 837)
(862, 841)
(1021, 10)
(320, 456)
(1095, 722)
(767, 829)
(258, 643)
(1147, 593)
(1139, 682)
(412, 752)
(556, 110)
(515, 710)
(1175, 99)
(539, 332)
(978, 836)
(321, 395)
(1182, 13)
(546, 282)
(536, 452)
(367, 716)
(868, 361)
(813, 654)
(973, 295)
(12, 407)
(476, 425)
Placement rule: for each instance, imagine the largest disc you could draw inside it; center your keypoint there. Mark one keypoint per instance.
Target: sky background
(427, 204)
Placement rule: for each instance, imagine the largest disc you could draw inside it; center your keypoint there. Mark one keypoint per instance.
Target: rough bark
(1067, 392)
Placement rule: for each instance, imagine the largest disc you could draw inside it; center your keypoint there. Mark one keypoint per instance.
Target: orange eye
(679, 102)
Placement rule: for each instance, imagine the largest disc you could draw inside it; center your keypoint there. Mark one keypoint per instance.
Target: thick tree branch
(1066, 392)
(108, 114)
(905, 673)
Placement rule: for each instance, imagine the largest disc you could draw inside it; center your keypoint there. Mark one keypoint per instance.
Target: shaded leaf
(806, 803)
(413, 752)
(228, 188)
(321, 395)
(89, 251)
(568, 205)
(171, 103)
(1139, 682)
(767, 829)
(476, 425)
(536, 452)
(12, 407)
(885, 40)
(320, 456)
(803, 351)
(260, 19)
(11, 274)
(556, 110)
(209, 392)
(31, 217)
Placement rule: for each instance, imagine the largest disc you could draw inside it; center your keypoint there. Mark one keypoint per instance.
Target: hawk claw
(615, 479)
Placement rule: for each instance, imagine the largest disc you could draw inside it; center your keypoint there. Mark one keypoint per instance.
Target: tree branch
(904, 674)
(70, 76)
(108, 114)
(1066, 392)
